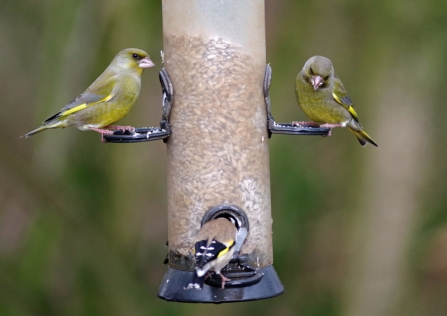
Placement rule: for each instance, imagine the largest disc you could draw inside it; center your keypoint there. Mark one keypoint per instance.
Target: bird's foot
(102, 132)
(332, 125)
(224, 279)
(121, 128)
(208, 275)
(302, 123)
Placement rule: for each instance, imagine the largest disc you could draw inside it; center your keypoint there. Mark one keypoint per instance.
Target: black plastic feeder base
(172, 288)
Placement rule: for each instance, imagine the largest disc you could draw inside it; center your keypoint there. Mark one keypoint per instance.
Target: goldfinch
(323, 98)
(107, 100)
(214, 248)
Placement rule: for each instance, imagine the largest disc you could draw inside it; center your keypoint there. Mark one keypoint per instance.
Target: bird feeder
(214, 52)
(216, 123)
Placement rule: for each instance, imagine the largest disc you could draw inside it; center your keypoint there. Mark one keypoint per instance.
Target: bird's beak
(145, 63)
(316, 81)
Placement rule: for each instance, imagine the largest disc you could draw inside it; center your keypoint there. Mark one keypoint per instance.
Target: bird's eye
(136, 56)
(311, 71)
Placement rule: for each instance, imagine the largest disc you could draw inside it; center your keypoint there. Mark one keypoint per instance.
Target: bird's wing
(89, 98)
(206, 253)
(341, 96)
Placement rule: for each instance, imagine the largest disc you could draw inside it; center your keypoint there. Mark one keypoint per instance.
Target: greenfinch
(323, 98)
(107, 100)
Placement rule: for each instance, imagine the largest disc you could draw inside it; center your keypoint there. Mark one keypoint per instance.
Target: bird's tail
(37, 130)
(363, 137)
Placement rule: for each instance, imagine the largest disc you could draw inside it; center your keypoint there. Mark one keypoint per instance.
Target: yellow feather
(75, 109)
(349, 108)
(336, 98)
(225, 250)
(353, 112)
(84, 105)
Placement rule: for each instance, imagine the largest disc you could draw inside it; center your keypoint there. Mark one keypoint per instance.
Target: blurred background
(357, 231)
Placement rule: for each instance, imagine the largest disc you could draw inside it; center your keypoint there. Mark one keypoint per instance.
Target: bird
(107, 100)
(214, 248)
(323, 98)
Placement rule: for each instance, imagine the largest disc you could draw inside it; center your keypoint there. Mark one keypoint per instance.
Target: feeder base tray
(174, 281)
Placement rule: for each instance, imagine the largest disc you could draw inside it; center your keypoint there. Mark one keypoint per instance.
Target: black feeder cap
(246, 283)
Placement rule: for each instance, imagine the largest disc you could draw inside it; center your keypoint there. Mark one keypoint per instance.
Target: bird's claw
(302, 123)
(131, 129)
(332, 125)
(224, 279)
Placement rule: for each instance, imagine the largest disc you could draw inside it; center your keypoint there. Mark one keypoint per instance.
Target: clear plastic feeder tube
(214, 52)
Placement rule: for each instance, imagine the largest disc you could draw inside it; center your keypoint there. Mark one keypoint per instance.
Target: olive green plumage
(108, 99)
(323, 98)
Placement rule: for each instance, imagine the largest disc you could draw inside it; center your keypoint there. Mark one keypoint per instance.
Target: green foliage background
(356, 231)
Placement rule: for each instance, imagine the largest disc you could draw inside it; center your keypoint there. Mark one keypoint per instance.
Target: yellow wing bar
(346, 106)
(84, 105)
